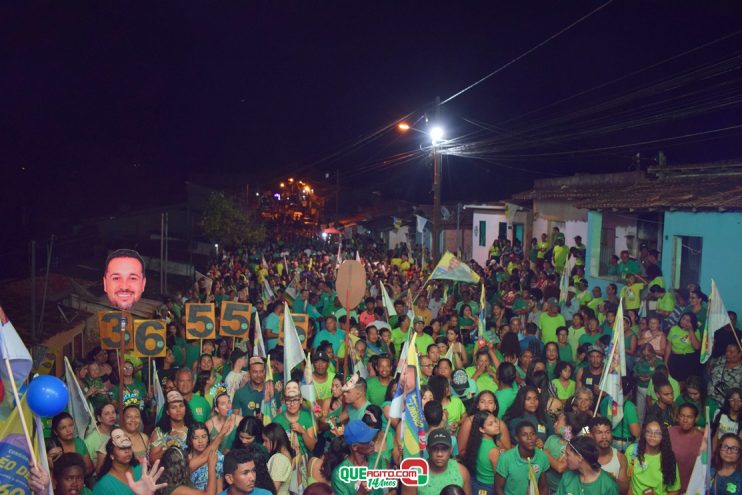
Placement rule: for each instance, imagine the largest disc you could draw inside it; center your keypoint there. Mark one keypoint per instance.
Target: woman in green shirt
(651, 463)
(65, 440)
(482, 452)
(563, 382)
(682, 353)
(119, 461)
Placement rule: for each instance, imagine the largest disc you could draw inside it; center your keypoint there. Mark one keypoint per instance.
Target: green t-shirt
(648, 474)
(630, 417)
(573, 339)
(589, 339)
(701, 420)
(247, 399)
(354, 413)
(192, 353)
(375, 391)
(484, 381)
(555, 446)
(324, 390)
(564, 393)
(399, 338)
(566, 353)
(305, 419)
(673, 383)
(422, 342)
(505, 399)
(514, 469)
(485, 473)
(666, 303)
(645, 368)
(455, 410)
(632, 295)
(571, 484)
(110, 485)
(200, 408)
(548, 325)
(679, 340)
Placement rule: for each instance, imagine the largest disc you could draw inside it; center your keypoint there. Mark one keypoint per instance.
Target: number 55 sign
(200, 321)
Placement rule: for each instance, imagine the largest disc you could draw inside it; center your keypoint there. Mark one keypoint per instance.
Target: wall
(720, 253)
(492, 219)
(451, 241)
(398, 236)
(574, 220)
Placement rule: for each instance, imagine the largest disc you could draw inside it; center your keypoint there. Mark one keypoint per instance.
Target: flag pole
(734, 332)
(20, 410)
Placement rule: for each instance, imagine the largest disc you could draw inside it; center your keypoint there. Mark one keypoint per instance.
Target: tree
(225, 221)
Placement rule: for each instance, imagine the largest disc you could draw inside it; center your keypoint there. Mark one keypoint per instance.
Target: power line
(553, 36)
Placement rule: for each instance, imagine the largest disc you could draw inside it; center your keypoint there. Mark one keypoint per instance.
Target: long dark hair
(437, 385)
(540, 381)
(667, 457)
(192, 433)
(253, 427)
(716, 461)
(338, 451)
(473, 407)
(279, 440)
(475, 438)
(166, 426)
(517, 410)
(725, 408)
(108, 462)
(176, 471)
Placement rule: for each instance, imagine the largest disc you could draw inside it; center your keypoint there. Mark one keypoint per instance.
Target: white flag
(615, 368)
(388, 303)
(12, 348)
(258, 348)
(716, 319)
(77, 404)
(293, 353)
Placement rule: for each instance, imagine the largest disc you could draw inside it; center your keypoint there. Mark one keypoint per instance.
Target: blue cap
(356, 431)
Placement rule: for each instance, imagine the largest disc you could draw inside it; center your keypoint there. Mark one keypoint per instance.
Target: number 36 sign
(145, 337)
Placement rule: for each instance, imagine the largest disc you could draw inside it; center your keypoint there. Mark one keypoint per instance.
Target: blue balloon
(47, 395)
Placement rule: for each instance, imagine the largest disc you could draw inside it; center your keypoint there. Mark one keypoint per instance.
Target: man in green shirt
(200, 408)
(359, 438)
(247, 399)
(514, 466)
(322, 378)
(628, 265)
(401, 333)
(423, 340)
(550, 321)
(354, 399)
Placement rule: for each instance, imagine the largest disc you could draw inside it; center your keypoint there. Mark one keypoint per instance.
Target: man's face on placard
(124, 282)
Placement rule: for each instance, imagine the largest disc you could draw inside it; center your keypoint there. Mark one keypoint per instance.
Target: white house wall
(492, 219)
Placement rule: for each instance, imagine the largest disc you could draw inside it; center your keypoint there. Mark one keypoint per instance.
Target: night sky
(108, 105)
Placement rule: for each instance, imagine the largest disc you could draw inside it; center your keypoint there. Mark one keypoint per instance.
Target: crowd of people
(511, 402)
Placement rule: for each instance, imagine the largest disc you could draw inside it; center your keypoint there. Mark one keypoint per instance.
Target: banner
(450, 268)
(14, 454)
(716, 319)
(615, 368)
(158, 393)
(407, 403)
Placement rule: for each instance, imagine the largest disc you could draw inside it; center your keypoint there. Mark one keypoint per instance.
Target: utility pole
(437, 172)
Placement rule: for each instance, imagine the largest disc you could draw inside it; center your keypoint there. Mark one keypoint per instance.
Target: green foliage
(227, 222)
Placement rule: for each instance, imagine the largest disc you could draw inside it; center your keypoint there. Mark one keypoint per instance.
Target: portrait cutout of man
(123, 279)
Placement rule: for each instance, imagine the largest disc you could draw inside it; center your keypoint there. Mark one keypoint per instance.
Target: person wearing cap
(247, 398)
(119, 461)
(514, 465)
(590, 377)
(571, 306)
(296, 419)
(444, 471)
(550, 321)
(322, 378)
(172, 428)
(359, 438)
(584, 473)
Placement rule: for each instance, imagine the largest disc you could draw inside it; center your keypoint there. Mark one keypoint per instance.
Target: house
(497, 220)
(691, 214)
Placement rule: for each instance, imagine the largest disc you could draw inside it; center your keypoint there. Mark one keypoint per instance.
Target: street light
(436, 137)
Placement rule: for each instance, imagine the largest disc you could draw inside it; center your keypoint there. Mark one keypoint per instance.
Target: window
(686, 260)
(518, 232)
(482, 233)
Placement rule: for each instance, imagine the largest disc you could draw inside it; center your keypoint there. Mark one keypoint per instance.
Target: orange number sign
(235, 320)
(200, 321)
(301, 321)
(109, 325)
(149, 338)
